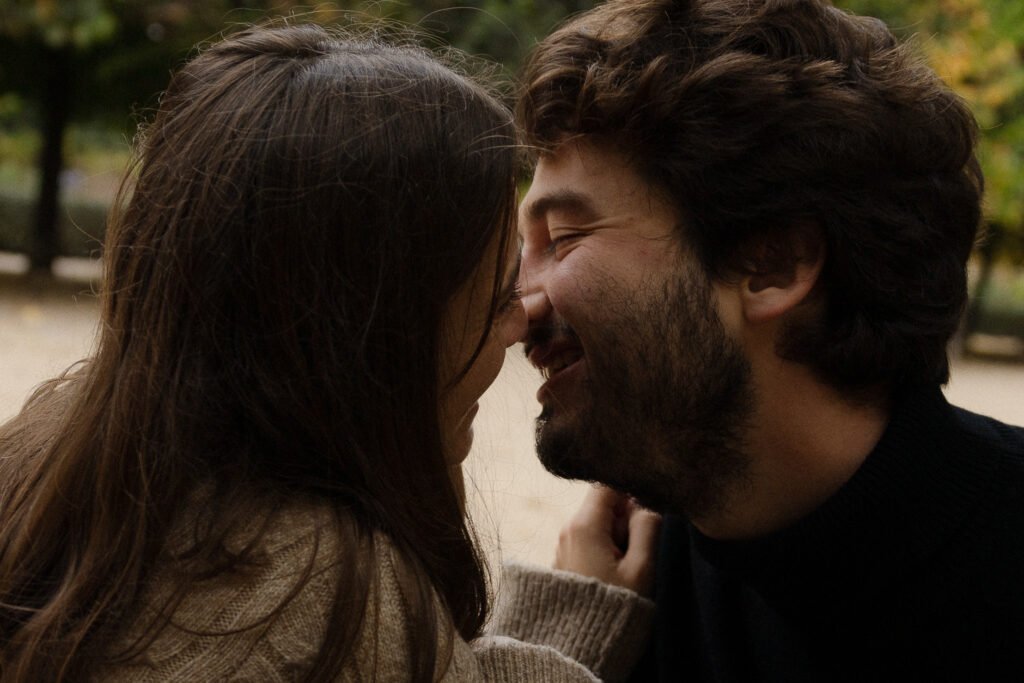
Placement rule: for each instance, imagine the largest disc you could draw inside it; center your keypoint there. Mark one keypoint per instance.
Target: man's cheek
(581, 291)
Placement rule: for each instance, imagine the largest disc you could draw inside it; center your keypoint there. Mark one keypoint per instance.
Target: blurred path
(46, 326)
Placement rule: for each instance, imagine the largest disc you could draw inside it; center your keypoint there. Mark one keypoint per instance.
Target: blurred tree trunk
(987, 253)
(56, 112)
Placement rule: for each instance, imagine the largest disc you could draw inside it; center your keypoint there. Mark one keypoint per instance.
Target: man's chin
(573, 449)
(568, 454)
(558, 447)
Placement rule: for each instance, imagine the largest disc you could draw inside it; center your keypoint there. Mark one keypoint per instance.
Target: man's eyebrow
(562, 200)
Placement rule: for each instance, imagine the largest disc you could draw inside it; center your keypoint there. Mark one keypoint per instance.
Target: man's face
(645, 390)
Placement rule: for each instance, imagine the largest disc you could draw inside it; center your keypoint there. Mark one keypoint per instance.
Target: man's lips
(554, 357)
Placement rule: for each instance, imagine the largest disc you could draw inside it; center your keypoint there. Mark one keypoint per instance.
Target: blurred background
(78, 76)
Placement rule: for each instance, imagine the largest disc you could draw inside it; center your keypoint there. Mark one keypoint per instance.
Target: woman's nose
(517, 326)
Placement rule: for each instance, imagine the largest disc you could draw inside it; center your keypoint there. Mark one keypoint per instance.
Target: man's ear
(782, 273)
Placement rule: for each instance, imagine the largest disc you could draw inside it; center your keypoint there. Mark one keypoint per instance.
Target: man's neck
(804, 442)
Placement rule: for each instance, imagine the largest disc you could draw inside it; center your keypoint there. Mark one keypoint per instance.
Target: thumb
(599, 507)
(637, 565)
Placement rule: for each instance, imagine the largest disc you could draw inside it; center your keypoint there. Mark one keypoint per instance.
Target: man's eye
(561, 241)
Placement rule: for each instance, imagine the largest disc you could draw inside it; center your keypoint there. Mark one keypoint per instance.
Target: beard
(663, 405)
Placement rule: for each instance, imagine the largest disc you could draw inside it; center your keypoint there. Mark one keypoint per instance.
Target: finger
(586, 544)
(644, 527)
(598, 509)
(637, 565)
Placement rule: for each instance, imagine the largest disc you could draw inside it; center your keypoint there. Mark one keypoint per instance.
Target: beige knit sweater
(548, 625)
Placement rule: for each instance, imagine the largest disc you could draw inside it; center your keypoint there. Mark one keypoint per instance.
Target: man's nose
(532, 285)
(537, 304)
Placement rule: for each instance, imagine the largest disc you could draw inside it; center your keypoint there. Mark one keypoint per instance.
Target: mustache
(545, 332)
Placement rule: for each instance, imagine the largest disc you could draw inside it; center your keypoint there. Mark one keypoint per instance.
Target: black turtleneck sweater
(913, 570)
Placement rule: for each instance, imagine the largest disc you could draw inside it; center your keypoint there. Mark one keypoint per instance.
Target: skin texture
(465, 321)
(658, 389)
(612, 539)
(663, 383)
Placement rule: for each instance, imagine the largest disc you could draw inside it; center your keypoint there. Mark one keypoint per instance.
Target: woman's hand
(612, 539)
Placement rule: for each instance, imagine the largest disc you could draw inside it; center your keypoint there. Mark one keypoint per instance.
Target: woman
(256, 476)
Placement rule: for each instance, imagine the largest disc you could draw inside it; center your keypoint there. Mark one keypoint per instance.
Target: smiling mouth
(557, 362)
(555, 357)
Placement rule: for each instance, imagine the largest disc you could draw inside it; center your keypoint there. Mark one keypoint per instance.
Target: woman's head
(312, 219)
(306, 209)
(468, 366)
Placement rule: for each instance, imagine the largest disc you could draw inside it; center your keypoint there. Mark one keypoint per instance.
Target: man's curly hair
(756, 116)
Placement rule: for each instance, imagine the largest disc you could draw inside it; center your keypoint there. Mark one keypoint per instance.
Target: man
(744, 252)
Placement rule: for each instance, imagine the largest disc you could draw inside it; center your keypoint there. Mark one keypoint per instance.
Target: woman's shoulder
(269, 620)
(263, 619)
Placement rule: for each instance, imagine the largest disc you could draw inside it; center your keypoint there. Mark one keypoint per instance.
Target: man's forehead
(586, 182)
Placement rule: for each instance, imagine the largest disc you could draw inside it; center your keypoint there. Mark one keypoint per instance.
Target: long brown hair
(305, 204)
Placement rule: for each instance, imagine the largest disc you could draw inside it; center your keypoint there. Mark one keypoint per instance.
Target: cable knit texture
(220, 632)
(596, 624)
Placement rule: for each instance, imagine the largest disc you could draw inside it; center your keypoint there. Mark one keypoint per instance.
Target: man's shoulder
(988, 437)
(993, 530)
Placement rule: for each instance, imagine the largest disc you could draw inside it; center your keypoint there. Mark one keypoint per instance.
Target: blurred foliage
(59, 23)
(122, 51)
(977, 46)
(79, 229)
(104, 62)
